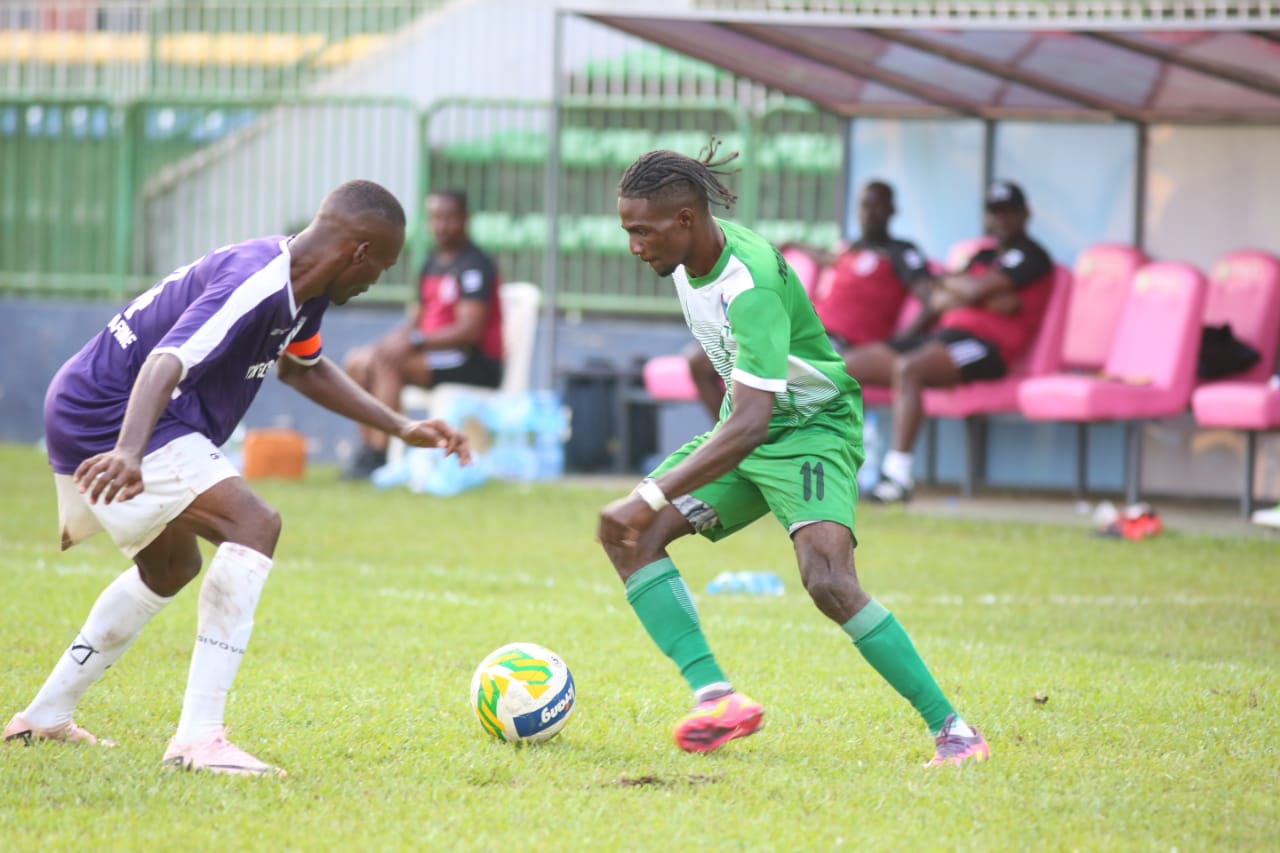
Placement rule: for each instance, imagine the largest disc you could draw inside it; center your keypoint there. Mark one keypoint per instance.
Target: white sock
(114, 622)
(712, 691)
(228, 597)
(897, 467)
(958, 727)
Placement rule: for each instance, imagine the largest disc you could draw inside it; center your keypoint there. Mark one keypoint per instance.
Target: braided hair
(666, 174)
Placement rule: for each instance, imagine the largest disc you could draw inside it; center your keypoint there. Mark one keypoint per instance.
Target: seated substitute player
(455, 335)
(133, 423)
(789, 443)
(872, 279)
(986, 319)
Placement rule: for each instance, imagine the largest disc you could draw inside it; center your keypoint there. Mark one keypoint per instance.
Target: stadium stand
(1150, 368)
(1245, 289)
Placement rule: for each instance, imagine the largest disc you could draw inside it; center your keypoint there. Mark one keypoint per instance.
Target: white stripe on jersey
(256, 289)
(773, 386)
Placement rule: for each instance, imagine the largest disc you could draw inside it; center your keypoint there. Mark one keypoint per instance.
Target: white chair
(521, 303)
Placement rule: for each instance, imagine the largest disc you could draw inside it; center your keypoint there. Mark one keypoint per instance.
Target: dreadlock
(664, 174)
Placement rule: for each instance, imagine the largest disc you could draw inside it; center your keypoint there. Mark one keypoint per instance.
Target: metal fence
(136, 135)
(99, 197)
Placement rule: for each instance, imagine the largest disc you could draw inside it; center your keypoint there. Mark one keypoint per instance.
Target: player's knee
(832, 584)
(183, 570)
(171, 573)
(271, 524)
(255, 524)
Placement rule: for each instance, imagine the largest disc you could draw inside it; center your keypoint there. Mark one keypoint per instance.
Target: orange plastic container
(274, 453)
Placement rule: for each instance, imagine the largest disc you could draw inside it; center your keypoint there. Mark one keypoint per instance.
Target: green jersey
(758, 326)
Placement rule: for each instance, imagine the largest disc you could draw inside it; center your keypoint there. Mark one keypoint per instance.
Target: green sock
(661, 599)
(888, 648)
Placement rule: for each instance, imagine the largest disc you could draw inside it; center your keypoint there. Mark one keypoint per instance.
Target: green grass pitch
(1129, 690)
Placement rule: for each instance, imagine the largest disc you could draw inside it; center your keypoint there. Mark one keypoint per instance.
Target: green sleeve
(761, 326)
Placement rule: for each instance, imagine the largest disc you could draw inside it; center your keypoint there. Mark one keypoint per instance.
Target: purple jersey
(228, 318)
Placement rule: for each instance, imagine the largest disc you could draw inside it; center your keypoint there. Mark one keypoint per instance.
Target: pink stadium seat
(1244, 290)
(974, 400)
(1098, 289)
(666, 378)
(805, 266)
(1150, 367)
(1099, 285)
(825, 277)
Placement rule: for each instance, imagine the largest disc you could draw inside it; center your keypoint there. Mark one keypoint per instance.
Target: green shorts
(804, 475)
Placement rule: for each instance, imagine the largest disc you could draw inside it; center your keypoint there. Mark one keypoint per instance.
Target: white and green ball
(522, 693)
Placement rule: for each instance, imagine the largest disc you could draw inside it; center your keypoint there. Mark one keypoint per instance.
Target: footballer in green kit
(788, 443)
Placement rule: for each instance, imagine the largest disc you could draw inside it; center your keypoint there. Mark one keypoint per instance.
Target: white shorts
(172, 477)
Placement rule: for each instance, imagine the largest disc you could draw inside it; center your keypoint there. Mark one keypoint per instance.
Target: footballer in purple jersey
(133, 425)
(228, 318)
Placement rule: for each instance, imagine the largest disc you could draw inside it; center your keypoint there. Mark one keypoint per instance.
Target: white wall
(1211, 190)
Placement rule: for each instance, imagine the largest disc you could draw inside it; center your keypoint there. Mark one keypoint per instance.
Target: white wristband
(651, 493)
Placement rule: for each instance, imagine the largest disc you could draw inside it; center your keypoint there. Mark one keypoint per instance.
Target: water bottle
(549, 425)
(764, 583)
(873, 447)
(392, 474)
(509, 418)
(419, 462)
(747, 583)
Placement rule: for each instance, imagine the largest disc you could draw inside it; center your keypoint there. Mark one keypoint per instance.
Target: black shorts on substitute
(477, 370)
(976, 359)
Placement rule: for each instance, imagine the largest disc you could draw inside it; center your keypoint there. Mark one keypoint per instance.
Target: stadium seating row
(194, 49)
(1119, 343)
(500, 231)
(615, 148)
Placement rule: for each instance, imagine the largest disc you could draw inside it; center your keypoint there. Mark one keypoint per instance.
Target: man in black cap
(985, 319)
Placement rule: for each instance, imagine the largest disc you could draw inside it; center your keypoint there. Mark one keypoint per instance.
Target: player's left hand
(437, 433)
(621, 522)
(111, 476)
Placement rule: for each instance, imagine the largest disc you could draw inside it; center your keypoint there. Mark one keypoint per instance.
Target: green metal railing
(100, 198)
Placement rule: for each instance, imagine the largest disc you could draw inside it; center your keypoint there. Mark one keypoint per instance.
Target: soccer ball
(522, 693)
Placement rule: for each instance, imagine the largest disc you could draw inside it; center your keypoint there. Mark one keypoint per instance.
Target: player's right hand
(437, 433)
(110, 476)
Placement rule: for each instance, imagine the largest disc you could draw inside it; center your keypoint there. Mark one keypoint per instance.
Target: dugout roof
(1145, 62)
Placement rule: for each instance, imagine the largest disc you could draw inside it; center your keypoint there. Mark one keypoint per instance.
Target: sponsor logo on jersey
(866, 262)
(120, 330)
(259, 370)
(1012, 258)
(472, 281)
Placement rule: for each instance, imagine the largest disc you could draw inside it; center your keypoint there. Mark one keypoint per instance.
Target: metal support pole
(1133, 466)
(551, 253)
(1082, 459)
(1250, 453)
